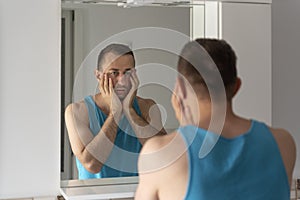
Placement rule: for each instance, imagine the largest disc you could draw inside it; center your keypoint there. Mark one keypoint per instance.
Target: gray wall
(286, 68)
(29, 98)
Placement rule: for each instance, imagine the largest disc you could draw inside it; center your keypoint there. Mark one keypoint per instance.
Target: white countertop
(92, 189)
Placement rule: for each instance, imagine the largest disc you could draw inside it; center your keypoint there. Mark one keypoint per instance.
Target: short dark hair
(192, 61)
(116, 49)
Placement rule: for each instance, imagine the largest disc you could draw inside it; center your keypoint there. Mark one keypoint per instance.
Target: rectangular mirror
(87, 26)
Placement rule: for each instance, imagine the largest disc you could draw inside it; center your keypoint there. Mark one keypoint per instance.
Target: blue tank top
(123, 158)
(247, 167)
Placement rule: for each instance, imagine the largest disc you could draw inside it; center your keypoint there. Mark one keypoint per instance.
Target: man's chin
(121, 96)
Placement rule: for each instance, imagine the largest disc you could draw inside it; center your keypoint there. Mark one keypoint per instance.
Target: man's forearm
(141, 127)
(98, 150)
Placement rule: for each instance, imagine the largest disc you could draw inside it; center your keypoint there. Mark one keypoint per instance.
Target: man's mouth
(120, 89)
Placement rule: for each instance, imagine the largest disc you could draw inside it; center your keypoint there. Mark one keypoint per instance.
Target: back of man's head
(117, 50)
(202, 60)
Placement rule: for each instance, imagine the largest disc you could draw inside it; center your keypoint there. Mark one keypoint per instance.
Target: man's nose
(121, 79)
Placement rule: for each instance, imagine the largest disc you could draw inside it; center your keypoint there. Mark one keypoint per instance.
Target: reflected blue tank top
(247, 167)
(124, 155)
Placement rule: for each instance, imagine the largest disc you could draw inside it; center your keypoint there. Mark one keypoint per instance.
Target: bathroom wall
(29, 98)
(286, 69)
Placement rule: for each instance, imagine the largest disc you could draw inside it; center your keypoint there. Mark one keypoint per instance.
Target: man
(248, 160)
(107, 130)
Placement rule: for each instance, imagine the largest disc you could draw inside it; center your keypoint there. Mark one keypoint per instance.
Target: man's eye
(114, 73)
(127, 72)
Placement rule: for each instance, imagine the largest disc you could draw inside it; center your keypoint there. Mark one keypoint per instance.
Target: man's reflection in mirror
(108, 129)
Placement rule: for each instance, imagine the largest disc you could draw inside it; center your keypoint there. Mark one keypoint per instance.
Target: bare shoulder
(287, 148)
(148, 187)
(145, 103)
(151, 113)
(76, 111)
(157, 142)
(161, 151)
(163, 167)
(76, 107)
(283, 138)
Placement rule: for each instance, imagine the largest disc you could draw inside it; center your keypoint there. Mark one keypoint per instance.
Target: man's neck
(228, 124)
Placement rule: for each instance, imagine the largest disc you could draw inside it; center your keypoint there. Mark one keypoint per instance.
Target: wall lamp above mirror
(136, 3)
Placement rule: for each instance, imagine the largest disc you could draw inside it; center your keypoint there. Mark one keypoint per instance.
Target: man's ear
(237, 86)
(97, 73)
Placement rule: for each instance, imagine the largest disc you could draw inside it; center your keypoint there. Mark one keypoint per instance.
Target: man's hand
(110, 99)
(128, 100)
(182, 109)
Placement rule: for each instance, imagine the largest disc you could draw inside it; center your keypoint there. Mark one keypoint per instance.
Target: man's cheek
(114, 82)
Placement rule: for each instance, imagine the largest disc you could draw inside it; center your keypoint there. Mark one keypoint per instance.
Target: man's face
(118, 68)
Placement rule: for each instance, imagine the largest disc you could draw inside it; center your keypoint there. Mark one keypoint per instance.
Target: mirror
(156, 33)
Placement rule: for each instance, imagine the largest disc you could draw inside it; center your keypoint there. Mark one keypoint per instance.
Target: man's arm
(287, 149)
(163, 168)
(91, 151)
(146, 190)
(148, 179)
(147, 125)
